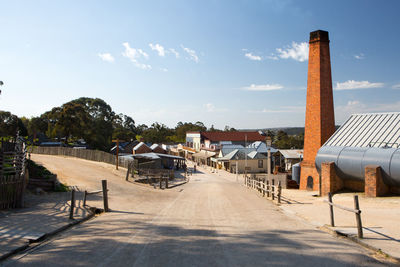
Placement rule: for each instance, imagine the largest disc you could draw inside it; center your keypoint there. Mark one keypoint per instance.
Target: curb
(46, 236)
(359, 241)
(337, 233)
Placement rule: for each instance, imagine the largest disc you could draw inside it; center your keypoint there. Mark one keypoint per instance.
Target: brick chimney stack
(320, 118)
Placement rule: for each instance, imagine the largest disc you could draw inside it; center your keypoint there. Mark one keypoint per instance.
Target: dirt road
(211, 221)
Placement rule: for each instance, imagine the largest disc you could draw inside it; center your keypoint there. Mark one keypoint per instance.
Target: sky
(237, 63)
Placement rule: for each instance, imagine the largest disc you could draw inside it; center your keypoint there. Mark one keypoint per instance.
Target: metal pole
(331, 209)
(237, 170)
(358, 217)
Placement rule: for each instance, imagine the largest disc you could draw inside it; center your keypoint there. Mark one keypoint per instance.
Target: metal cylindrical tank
(296, 172)
(351, 162)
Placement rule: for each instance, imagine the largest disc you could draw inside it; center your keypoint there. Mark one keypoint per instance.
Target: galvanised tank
(296, 172)
(351, 162)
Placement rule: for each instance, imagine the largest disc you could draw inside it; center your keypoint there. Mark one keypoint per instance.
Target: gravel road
(210, 221)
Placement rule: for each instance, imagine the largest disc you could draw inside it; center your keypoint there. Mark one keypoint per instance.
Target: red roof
(232, 136)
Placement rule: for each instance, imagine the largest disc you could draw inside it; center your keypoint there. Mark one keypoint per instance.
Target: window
(260, 163)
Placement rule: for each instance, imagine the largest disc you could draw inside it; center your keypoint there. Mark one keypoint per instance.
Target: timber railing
(12, 174)
(88, 154)
(356, 211)
(264, 187)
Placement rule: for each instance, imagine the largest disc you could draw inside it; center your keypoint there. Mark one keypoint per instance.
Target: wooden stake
(105, 195)
(71, 211)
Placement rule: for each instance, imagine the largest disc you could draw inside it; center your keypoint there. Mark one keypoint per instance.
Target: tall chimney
(320, 118)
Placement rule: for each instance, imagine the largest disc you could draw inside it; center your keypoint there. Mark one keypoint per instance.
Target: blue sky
(236, 63)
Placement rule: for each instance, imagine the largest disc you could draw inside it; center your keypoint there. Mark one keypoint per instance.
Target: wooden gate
(12, 174)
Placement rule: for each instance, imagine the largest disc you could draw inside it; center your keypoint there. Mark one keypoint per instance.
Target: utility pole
(117, 141)
(245, 152)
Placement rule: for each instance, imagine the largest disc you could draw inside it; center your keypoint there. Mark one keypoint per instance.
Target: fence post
(71, 211)
(127, 172)
(166, 182)
(105, 195)
(273, 189)
(84, 198)
(358, 217)
(331, 209)
(264, 186)
(161, 182)
(268, 188)
(279, 191)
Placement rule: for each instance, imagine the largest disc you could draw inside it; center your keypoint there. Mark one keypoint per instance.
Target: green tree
(10, 124)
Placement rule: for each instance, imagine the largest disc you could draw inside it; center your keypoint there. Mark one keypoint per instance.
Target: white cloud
(159, 48)
(173, 51)
(354, 106)
(273, 57)
(359, 56)
(252, 57)
(284, 109)
(396, 86)
(134, 54)
(298, 52)
(192, 54)
(209, 107)
(164, 69)
(351, 84)
(263, 87)
(106, 57)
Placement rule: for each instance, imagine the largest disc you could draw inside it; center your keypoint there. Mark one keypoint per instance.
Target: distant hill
(288, 130)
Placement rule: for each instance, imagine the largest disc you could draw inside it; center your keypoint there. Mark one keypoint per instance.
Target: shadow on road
(147, 244)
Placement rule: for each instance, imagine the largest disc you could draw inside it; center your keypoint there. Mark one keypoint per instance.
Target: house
(157, 161)
(125, 148)
(213, 141)
(158, 149)
(263, 148)
(289, 157)
(252, 162)
(141, 148)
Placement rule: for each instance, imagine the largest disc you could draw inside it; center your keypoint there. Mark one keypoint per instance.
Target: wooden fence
(12, 174)
(88, 154)
(264, 186)
(356, 211)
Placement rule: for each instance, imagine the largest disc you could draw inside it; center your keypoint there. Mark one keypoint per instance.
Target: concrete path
(210, 221)
(380, 216)
(42, 215)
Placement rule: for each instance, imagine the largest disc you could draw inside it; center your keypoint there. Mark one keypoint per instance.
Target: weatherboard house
(215, 140)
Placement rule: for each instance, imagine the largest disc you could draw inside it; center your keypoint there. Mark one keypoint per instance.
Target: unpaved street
(210, 221)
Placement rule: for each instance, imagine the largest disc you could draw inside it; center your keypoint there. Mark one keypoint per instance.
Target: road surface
(210, 221)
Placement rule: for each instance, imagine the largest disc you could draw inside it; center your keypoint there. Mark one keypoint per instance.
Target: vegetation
(94, 121)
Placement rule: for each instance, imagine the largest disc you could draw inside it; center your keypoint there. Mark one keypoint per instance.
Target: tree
(10, 124)
(158, 133)
(124, 127)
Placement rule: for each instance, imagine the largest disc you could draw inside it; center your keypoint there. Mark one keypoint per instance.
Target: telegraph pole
(117, 141)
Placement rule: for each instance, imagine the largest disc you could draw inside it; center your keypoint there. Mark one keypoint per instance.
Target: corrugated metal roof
(368, 130)
(291, 153)
(256, 155)
(153, 146)
(232, 136)
(226, 149)
(262, 147)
